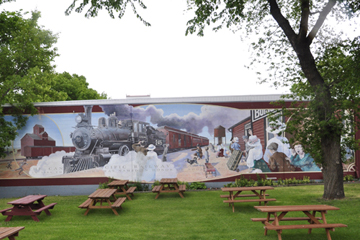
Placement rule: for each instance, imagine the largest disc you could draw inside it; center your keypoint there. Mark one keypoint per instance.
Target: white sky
(124, 57)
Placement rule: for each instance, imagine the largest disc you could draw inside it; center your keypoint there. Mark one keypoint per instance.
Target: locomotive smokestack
(88, 110)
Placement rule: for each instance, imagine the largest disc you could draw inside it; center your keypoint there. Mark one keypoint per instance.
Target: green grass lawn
(200, 215)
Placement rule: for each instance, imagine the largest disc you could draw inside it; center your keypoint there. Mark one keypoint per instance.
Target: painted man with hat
(278, 161)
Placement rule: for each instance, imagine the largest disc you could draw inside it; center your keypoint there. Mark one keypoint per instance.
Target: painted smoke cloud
(210, 117)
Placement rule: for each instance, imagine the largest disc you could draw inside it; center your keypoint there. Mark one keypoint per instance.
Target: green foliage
(288, 181)
(348, 178)
(27, 74)
(75, 87)
(110, 5)
(105, 184)
(156, 183)
(197, 185)
(139, 186)
(242, 182)
(310, 125)
(26, 52)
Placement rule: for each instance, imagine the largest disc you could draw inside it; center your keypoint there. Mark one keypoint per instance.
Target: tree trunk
(330, 141)
(332, 169)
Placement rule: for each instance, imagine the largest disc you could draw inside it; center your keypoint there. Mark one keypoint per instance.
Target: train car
(178, 139)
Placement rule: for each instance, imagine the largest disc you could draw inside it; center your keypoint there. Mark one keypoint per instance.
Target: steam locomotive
(94, 146)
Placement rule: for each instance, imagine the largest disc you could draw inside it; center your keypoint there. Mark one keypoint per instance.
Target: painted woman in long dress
(277, 128)
(254, 159)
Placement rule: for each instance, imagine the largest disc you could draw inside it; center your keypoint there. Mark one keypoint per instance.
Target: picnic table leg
(124, 191)
(326, 229)
(276, 222)
(268, 221)
(34, 217)
(93, 202)
(311, 221)
(9, 217)
(113, 209)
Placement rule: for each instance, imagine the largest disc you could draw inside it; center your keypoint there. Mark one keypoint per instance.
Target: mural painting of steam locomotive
(94, 146)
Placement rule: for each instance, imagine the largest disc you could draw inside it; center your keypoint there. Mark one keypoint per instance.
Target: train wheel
(123, 150)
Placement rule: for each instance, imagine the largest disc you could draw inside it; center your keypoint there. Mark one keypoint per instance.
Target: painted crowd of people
(278, 156)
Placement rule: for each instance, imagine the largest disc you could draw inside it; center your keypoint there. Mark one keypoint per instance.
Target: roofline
(206, 99)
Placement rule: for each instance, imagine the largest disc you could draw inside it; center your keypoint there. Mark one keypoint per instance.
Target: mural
(192, 142)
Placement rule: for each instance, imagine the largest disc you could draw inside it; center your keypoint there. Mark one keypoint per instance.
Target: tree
(296, 37)
(26, 52)
(296, 26)
(75, 87)
(27, 75)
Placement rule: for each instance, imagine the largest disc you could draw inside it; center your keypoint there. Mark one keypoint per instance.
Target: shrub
(105, 184)
(348, 178)
(197, 185)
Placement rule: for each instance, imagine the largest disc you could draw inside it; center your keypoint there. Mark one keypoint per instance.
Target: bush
(105, 184)
(140, 186)
(197, 185)
(348, 178)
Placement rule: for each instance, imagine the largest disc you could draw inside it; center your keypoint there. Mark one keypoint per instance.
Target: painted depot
(209, 139)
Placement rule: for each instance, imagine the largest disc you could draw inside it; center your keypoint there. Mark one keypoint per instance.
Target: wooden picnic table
(122, 188)
(235, 192)
(169, 185)
(10, 232)
(103, 196)
(26, 206)
(279, 212)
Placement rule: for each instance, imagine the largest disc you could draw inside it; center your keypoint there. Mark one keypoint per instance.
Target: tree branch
(282, 21)
(304, 22)
(321, 20)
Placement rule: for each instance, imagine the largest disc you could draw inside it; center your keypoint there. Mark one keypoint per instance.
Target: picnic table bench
(258, 191)
(279, 212)
(10, 232)
(103, 196)
(123, 188)
(26, 206)
(169, 185)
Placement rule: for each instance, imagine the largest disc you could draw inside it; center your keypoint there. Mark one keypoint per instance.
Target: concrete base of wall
(62, 190)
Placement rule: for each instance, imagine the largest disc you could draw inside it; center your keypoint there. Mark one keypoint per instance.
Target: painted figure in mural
(150, 169)
(277, 128)
(278, 161)
(220, 150)
(235, 144)
(139, 147)
(225, 152)
(301, 159)
(166, 147)
(198, 151)
(206, 154)
(20, 169)
(212, 148)
(192, 161)
(8, 166)
(247, 146)
(254, 159)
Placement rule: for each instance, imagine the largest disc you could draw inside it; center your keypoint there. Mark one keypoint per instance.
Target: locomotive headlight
(78, 119)
(81, 139)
